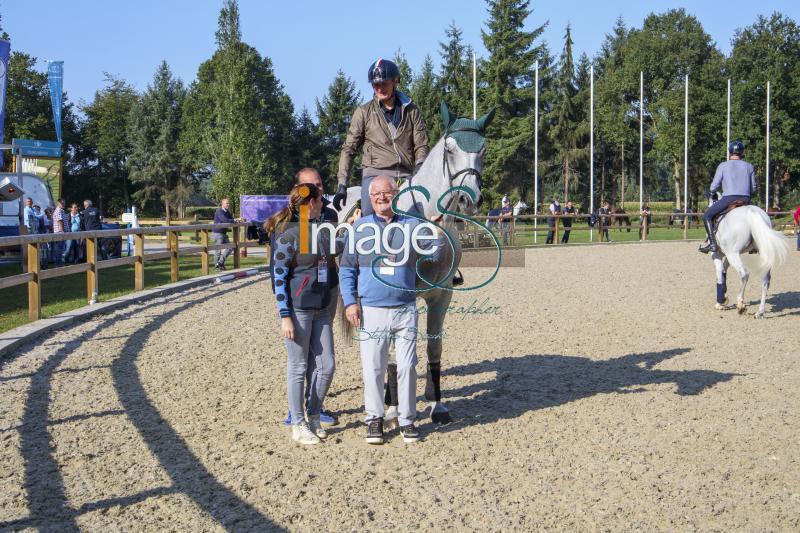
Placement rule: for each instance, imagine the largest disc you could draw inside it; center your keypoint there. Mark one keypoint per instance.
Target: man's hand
(353, 314)
(339, 197)
(287, 327)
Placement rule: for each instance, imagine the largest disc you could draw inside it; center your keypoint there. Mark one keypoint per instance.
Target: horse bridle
(463, 172)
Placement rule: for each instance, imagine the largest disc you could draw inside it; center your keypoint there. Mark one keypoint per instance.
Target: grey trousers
(312, 347)
(379, 325)
(312, 372)
(221, 238)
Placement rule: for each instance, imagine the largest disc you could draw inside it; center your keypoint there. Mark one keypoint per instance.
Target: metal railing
(35, 275)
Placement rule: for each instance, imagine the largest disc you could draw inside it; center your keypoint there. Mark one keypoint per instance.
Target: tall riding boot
(711, 244)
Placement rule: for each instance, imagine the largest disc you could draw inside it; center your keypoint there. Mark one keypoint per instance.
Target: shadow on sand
(530, 382)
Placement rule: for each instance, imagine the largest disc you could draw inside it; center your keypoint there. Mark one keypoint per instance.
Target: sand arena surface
(605, 393)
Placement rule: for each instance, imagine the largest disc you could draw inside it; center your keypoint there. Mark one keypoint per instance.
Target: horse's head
(464, 148)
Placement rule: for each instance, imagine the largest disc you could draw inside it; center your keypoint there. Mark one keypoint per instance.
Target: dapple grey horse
(448, 182)
(741, 230)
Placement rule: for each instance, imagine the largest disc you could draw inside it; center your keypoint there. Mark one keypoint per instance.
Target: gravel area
(604, 392)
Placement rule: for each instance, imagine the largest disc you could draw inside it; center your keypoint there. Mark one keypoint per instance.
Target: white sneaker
(315, 426)
(303, 435)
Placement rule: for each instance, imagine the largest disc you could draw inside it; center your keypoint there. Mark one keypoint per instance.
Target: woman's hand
(353, 314)
(287, 327)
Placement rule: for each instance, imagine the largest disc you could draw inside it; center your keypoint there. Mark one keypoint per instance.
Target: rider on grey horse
(389, 129)
(738, 181)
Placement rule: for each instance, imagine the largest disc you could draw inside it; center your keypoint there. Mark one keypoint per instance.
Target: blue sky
(308, 41)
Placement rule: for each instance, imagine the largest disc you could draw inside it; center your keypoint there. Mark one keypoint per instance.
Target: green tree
(239, 124)
(427, 97)
(455, 74)
(668, 47)
(569, 130)
(507, 85)
(406, 73)
(334, 112)
(154, 129)
(106, 130)
(768, 50)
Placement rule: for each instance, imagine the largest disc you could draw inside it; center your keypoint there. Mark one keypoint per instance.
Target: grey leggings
(312, 347)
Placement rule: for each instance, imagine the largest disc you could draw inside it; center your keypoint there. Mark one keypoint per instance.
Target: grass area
(64, 294)
(524, 235)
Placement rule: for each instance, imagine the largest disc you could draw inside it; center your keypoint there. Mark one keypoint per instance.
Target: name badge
(385, 270)
(322, 271)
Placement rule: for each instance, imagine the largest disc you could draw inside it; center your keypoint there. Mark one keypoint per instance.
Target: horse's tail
(772, 245)
(346, 328)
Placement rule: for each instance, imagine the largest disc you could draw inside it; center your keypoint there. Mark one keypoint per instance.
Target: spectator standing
(569, 210)
(220, 236)
(505, 219)
(29, 219)
(92, 221)
(73, 252)
(59, 227)
(605, 220)
(554, 210)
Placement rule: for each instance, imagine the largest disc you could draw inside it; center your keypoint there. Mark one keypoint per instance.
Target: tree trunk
(622, 182)
(603, 182)
(566, 179)
(676, 179)
(166, 203)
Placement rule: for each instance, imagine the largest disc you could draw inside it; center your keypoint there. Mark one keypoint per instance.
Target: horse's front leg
(764, 288)
(721, 268)
(437, 312)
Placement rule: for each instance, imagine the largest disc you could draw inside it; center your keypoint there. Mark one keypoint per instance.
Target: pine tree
(334, 113)
(455, 75)
(154, 129)
(406, 73)
(427, 97)
(507, 85)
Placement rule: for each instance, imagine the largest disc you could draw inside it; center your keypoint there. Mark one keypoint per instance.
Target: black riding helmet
(383, 70)
(736, 147)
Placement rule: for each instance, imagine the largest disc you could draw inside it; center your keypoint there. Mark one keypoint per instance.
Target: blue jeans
(312, 346)
(720, 205)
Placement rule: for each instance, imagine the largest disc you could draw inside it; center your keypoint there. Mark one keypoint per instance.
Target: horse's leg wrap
(390, 397)
(722, 288)
(433, 387)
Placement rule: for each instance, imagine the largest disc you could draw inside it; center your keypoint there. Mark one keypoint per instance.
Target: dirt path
(604, 393)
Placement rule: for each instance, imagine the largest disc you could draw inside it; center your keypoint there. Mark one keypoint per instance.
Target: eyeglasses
(385, 194)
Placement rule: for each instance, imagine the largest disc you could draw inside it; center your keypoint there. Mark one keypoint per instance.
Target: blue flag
(55, 75)
(5, 48)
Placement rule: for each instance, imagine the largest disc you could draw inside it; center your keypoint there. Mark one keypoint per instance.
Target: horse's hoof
(741, 309)
(443, 418)
(759, 315)
(721, 307)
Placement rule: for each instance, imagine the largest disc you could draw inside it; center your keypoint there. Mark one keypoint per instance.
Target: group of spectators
(61, 220)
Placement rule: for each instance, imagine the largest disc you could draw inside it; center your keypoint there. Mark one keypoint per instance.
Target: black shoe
(410, 433)
(222, 266)
(375, 431)
(706, 247)
(216, 268)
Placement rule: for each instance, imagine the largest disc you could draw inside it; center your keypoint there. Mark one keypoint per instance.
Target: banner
(5, 48)
(55, 75)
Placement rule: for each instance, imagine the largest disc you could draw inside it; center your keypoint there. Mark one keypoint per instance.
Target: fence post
(204, 251)
(173, 255)
(513, 231)
(475, 237)
(34, 285)
(138, 266)
(91, 274)
(645, 228)
(236, 256)
(686, 227)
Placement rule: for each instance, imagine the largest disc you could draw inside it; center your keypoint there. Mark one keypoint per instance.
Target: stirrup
(707, 246)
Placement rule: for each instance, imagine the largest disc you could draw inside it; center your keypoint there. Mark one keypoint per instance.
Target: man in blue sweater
(738, 180)
(380, 301)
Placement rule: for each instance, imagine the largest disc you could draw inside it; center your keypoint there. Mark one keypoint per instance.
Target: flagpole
(591, 139)
(686, 151)
(641, 139)
(536, 155)
(766, 201)
(728, 135)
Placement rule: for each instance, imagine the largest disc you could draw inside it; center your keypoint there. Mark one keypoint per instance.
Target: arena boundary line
(12, 339)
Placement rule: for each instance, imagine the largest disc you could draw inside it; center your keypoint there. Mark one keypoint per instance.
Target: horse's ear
(445, 112)
(485, 120)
